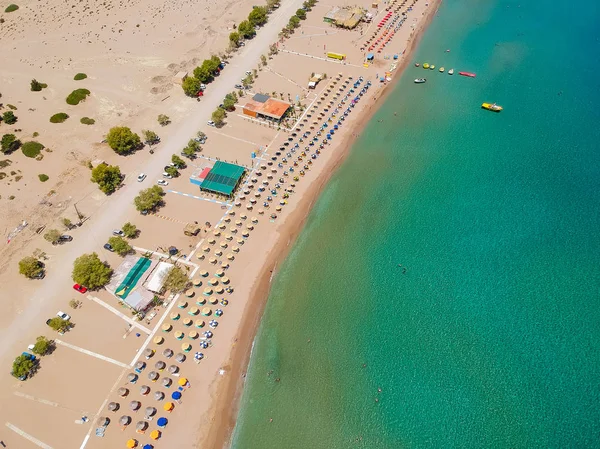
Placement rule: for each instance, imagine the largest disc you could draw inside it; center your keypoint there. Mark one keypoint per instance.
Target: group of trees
(247, 28)
(179, 163)
(90, 271)
(149, 199)
(122, 140)
(163, 120)
(108, 177)
(296, 18)
(9, 143)
(191, 149)
(176, 280)
(204, 73)
(23, 366)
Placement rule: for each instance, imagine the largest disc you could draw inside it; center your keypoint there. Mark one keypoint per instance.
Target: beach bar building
(223, 178)
(264, 107)
(347, 17)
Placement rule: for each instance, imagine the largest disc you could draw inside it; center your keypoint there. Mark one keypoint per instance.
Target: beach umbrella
(216, 233)
(160, 365)
(167, 381)
(186, 347)
(131, 377)
(141, 426)
(206, 249)
(225, 280)
(182, 304)
(194, 311)
(220, 273)
(211, 241)
(224, 264)
(176, 395)
(113, 406)
(218, 253)
(221, 227)
(212, 260)
(158, 340)
(201, 301)
(243, 216)
(190, 293)
(150, 411)
(208, 291)
(183, 382)
(213, 281)
(148, 353)
(187, 322)
(173, 369)
(199, 356)
(260, 211)
(153, 376)
(162, 422)
(178, 335)
(235, 249)
(197, 282)
(246, 233)
(229, 237)
(175, 316)
(214, 300)
(180, 358)
(204, 273)
(123, 392)
(159, 395)
(200, 323)
(134, 405)
(168, 407)
(148, 446)
(168, 353)
(155, 434)
(166, 327)
(193, 335)
(144, 390)
(230, 256)
(206, 311)
(124, 420)
(132, 443)
(227, 219)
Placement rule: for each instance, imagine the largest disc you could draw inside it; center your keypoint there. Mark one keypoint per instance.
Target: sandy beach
(206, 415)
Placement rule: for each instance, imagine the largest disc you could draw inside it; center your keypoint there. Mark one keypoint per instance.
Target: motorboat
(442, 69)
(425, 66)
(420, 80)
(492, 107)
(469, 74)
(451, 72)
(432, 66)
(416, 64)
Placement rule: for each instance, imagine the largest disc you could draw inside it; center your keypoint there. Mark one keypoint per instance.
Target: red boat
(472, 75)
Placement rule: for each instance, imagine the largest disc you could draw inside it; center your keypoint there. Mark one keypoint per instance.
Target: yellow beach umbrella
(200, 256)
(224, 264)
(182, 382)
(168, 407)
(204, 273)
(132, 443)
(187, 322)
(213, 260)
(206, 311)
(178, 335)
(223, 244)
(222, 226)
(182, 304)
(233, 230)
(155, 434)
(166, 327)
(231, 212)
(208, 291)
(197, 282)
(175, 316)
(220, 273)
(249, 227)
(193, 335)
(261, 212)
(245, 233)
(228, 237)
(190, 293)
(218, 253)
(186, 347)
(254, 220)
(194, 311)
(219, 291)
(158, 340)
(213, 300)
(240, 241)
(211, 241)
(227, 219)
(213, 281)
(216, 233)
(225, 280)
(206, 249)
(200, 323)
(238, 223)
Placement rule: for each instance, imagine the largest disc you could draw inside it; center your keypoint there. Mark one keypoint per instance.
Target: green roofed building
(223, 178)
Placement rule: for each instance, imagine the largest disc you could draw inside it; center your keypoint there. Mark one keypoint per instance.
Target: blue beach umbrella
(148, 446)
(162, 422)
(176, 395)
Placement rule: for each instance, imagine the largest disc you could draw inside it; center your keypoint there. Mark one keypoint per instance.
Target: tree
(179, 163)
(263, 59)
(90, 271)
(67, 223)
(273, 49)
(176, 280)
(36, 86)
(22, 366)
(234, 38)
(294, 22)
(219, 116)
(9, 118)
(9, 143)
(108, 177)
(58, 324)
(149, 199)
(200, 135)
(301, 14)
(170, 170)
(191, 85)
(202, 74)
(246, 29)
(163, 120)
(258, 16)
(306, 5)
(189, 152)
(122, 140)
(194, 145)
(120, 245)
(42, 345)
(248, 80)
(30, 267)
(130, 230)
(150, 137)
(228, 103)
(53, 236)
(272, 4)
(213, 63)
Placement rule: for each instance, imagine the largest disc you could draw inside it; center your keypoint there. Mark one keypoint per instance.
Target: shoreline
(226, 406)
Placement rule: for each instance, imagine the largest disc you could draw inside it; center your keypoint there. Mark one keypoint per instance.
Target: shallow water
(453, 260)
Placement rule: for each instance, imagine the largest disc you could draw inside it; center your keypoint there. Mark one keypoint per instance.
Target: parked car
(210, 123)
(242, 44)
(65, 238)
(40, 275)
(80, 288)
(166, 175)
(248, 72)
(141, 177)
(29, 357)
(108, 247)
(63, 315)
(238, 86)
(161, 182)
(118, 232)
(203, 86)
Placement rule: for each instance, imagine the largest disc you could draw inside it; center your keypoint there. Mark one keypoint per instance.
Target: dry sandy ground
(72, 383)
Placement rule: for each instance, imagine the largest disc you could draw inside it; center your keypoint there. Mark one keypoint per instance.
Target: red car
(80, 288)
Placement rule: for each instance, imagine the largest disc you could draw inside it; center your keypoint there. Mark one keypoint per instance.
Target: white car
(248, 72)
(166, 175)
(141, 177)
(63, 315)
(162, 182)
(210, 123)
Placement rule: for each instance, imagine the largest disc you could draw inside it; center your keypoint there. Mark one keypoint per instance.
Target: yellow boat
(442, 69)
(491, 107)
(432, 67)
(425, 66)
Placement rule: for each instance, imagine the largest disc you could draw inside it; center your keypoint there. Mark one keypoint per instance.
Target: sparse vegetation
(272, 4)
(108, 177)
(36, 86)
(149, 199)
(263, 59)
(43, 177)
(90, 271)
(59, 325)
(163, 120)
(53, 236)
(80, 76)
(120, 245)
(77, 96)
(32, 148)
(122, 140)
(67, 223)
(150, 137)
(59, 118)
(30, 267)
(176, 280)
(9, 143)
(9, 117)
(273, 49)
(11, 8)
(87, 121)
(74, 304)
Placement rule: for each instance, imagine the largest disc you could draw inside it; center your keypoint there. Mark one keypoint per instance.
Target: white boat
(451, 72)
(420, 80)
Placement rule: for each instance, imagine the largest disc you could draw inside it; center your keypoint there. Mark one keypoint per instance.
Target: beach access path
(111, 215)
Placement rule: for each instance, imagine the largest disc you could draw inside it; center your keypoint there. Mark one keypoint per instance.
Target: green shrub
(77, 96)
(59, 118)
(36, 86)
(87, 121)
(11, 8)
(80, 76)
(43, 177)
(32, 149)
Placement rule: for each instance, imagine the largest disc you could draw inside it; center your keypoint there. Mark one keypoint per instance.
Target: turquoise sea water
(491, 338)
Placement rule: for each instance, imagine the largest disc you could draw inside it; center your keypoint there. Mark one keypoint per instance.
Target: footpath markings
(174, 220)
(27, 436)
(33, 398)
(119, 314)
(93, 354)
